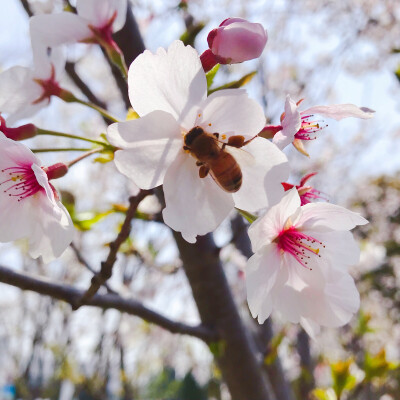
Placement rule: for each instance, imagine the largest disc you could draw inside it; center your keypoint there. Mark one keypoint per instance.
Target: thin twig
(107, 266)
(82, 157)
(83, 261)
(71, 295)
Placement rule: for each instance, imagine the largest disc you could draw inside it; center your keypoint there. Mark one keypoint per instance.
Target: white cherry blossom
(169, 92)
(300, 265)
(29, 204)
(95, 22)
(24, 91)
(298, 126)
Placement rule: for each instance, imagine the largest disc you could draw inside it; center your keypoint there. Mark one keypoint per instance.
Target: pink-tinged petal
(149, 146)
(99, 12)
(13, 152)
(290, 125)
(171, 81)
(340, 111)
(326, 217)
(231, 112)
(334, 304)
(194, 206)
(18, 91)
(51, 229)
(267, 227)
(237, 40)
(261, 271)
(56, 29)
(262, 174)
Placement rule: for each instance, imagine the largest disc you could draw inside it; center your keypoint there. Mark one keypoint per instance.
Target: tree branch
(71, 295)
(107, 266)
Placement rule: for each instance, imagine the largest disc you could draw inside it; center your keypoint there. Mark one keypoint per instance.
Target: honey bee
(214, 159)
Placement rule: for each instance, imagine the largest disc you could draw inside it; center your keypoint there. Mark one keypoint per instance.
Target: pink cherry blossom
(234, 41)
(300, 265)
(95, 22)
(29, 205)
(169, 92)
(307, 193)
(298, 126)
(25, 91)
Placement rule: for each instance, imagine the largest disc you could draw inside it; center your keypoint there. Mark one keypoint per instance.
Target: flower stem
(248, 216)
(67, 135)
(48, 150)
(100, 110)
(83, 156)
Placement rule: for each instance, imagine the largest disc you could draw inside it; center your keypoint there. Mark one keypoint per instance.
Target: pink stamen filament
(299, 245)
(25, 185)
(310, 195)
(308, 127)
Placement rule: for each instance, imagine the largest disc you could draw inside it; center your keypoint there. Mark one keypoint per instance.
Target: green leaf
(235, 84)
(217, 348)
(341, 376)
(272, 351)
(84, 221)
(210, 75)
(323, 394)
(190, 389)
(377, 366)
(248, 216)
(189, 36)
(397, 73)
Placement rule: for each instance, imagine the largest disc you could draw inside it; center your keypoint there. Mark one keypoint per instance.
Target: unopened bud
(56, 171)
(269, 131)
(237, 40)
(19, 133)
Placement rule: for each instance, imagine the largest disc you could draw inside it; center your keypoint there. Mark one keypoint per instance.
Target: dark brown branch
(82, 260)
(71, 295)
(107, 266)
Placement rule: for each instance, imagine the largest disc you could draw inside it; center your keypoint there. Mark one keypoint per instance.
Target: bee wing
(240, 155)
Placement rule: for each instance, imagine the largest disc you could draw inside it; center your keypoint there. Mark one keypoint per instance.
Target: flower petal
(55, 29)
(290, 125)
(194, 206)
(261, 272)
(325, 217)
(261, 184)
(99, 12)
(340, 111)
(171, 81)
(18, 91)
(149, 146)
(232, 112)
(267, 227)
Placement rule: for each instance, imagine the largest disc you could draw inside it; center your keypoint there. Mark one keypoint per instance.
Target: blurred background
(324, 51)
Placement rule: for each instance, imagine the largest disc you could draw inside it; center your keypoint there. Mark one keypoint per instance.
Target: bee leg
(199, 163)
(203, 171)
(185, 148)
(216, 135)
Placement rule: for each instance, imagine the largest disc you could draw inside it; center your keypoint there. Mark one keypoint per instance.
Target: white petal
(290, 125)
(99, 12)
(17, 92)
(311, 327)
(261, 182)
(52, 228)
(13, 153)
(340, 248)
(194, 206)
(326, 217)
(149, 146)
(267, 227)
(340, 111)
(261, 273)
(232, 112)
(171, 81)
(55, 29)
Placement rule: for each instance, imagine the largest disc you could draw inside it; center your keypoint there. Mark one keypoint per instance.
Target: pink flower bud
(20, 133)
(237, 40)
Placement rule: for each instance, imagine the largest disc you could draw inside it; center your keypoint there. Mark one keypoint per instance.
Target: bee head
(193, 134)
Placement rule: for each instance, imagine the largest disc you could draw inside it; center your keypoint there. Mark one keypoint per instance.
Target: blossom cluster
(210, 152)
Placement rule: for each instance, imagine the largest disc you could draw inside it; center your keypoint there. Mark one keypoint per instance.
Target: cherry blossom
(300, 265)
(95, 22)
(24, 91)
(307, 193)
(234, 41)
(169, 92)
(29, 205)
(298, 126)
